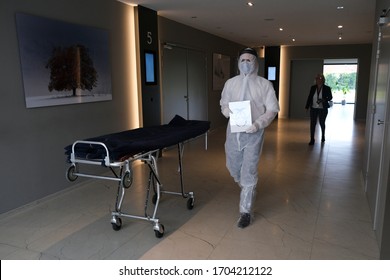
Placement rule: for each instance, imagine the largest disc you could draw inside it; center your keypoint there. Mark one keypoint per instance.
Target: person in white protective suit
(243, 149)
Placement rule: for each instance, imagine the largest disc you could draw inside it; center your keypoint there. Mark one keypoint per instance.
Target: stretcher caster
(159, 230)
(116, 223)
(70, 173)
(190, 203)
(127, 180)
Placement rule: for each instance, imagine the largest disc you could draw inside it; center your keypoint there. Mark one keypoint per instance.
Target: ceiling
(309, 22)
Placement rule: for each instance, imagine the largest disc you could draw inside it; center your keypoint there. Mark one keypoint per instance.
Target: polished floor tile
(310, 204)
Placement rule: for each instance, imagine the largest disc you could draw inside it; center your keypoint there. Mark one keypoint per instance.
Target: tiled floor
(310, 205)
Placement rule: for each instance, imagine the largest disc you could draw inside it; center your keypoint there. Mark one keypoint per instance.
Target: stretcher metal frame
(125, 179)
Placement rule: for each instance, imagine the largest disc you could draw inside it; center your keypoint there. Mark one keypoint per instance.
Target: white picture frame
(240, 116)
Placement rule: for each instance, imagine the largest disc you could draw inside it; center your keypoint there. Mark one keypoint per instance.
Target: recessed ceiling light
(280, 29)
(339, 26)
(250, 4)
(340, 7)
(293, 40)
(340, 37)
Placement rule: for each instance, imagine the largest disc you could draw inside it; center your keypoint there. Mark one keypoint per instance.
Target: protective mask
(246, 67)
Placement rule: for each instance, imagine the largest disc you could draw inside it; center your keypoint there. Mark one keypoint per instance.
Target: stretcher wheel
(190, 203)
(159, 233)
(117, 225)
(127, 180)
(70, 173)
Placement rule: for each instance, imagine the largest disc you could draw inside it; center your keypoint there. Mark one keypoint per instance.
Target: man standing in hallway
(318, 102)
(243, 149)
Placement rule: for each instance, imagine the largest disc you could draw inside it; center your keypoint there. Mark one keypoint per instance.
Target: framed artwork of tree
(62, 63)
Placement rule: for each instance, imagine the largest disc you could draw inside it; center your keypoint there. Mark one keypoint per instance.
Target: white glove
(226, 112)
(253, 128)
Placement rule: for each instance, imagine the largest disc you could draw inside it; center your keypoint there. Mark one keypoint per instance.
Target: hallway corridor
(310, 205)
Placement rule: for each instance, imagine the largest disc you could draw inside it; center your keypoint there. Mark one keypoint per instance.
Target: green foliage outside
(342, 83)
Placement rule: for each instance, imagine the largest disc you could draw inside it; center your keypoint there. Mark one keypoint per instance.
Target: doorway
(340, 75)
(184, 83)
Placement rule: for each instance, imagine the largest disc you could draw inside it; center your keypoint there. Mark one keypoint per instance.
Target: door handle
(380, 122)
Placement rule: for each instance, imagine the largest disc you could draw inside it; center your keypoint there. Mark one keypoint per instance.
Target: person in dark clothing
(318, 103)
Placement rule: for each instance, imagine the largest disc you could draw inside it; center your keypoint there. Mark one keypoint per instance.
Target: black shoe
(323, 139)
(244, 221)
(311, 143)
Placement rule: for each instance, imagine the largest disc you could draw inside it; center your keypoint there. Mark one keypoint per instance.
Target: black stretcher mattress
(122, 145)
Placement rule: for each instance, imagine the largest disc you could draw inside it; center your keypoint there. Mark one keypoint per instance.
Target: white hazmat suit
(243, 149)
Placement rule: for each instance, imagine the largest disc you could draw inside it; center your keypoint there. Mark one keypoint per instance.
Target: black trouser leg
(313, 122)
(323, 113)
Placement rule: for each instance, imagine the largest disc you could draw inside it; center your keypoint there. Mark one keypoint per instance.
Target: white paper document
(240, 116)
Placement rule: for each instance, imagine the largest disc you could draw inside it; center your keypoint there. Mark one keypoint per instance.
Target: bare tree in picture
(71, 68)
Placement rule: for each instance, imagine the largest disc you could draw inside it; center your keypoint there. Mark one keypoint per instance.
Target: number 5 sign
(149, 38)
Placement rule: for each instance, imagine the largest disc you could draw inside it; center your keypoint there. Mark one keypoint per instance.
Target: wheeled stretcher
(119, 151)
